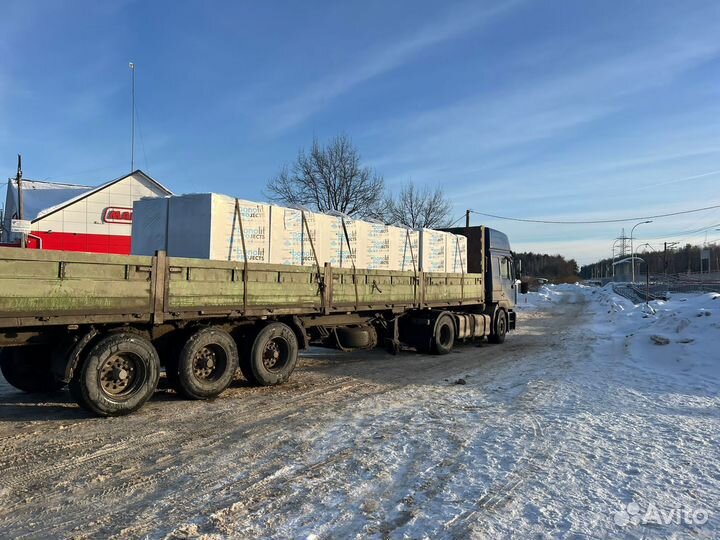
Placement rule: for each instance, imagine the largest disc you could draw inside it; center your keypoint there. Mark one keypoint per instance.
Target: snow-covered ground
(596, 418)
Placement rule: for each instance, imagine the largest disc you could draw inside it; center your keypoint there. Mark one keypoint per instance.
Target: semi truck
(108, 326)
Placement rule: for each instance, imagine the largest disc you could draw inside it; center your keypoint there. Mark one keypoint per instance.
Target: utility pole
(21, 202)
(132, 120)
(467, 218)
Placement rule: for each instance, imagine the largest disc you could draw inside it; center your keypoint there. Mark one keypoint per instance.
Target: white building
(79, 218)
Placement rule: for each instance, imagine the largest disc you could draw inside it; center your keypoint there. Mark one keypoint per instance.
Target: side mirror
(524, 287)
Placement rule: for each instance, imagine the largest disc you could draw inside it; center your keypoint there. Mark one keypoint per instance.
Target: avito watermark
(632, 514)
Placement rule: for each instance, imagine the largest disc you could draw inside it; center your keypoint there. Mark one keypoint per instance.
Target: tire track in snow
(537, 454)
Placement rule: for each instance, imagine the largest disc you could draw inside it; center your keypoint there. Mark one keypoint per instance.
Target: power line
(595, 221)
(458, 219)
(686, 232)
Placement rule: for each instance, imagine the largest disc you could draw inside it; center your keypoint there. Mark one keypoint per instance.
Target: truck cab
(501, 279)
(489, 254)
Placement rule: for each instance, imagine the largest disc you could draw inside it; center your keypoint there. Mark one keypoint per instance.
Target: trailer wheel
(499, 327)
(29, 369)
(118, 375)
(444, 336)
(206, 364)
(273, 355)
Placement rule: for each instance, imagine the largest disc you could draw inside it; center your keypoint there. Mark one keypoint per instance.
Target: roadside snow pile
(678, 336)
(545, 297)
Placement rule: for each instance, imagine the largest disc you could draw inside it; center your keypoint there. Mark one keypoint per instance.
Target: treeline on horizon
(554, 268)
(673, 261)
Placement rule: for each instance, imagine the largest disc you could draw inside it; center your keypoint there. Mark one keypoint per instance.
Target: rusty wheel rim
(120, 375)
(275, 354)
(208, 363)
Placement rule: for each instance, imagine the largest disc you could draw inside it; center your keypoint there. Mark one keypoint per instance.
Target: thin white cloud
(542, 108)
(380, 61)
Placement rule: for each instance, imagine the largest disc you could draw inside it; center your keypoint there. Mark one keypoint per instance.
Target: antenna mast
(132, 120)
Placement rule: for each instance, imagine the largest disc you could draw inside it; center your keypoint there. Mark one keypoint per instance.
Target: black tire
(499, 327)
(117, 376)
(206, 364)
(444, 336)
(355, 337)
(30, 369)
(245, 344)
(273, 355)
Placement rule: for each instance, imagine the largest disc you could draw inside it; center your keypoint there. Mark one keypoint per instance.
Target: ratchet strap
(321, 283)
(238, 217)
(412, 257)
(352, 260)
(462, 267)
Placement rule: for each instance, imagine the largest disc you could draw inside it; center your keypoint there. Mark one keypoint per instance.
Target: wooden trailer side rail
(39, 288)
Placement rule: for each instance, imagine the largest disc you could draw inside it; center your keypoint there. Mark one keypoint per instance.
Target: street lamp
(632, 251)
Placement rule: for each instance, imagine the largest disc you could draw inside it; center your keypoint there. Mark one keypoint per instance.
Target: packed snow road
(566, 429)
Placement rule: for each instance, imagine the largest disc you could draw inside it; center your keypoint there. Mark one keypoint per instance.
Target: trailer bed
(40, 288)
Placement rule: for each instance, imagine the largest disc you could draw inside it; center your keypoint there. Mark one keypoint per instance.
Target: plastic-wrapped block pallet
(228, 230)
(203, 226)
(404, 249)
(290, 241)
(343, 248)
(149, 226)
(367, 244)
(433, 250)
(374, 244)
(456, 253)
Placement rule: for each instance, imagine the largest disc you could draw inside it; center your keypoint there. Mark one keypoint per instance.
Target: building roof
(39, 195)
(40, 199)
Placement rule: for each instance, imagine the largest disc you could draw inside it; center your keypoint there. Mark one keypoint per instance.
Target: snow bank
(679, 336)
(545, 297)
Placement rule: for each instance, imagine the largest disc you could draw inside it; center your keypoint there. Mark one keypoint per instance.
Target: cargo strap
(320, 280)
(462, 268)
(238, 217)
(412, 257)
(352, 260)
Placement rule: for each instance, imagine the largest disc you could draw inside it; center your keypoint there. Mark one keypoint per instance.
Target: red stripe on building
(92, 243)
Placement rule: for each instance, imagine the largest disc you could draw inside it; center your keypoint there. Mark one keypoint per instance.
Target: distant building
(70, 217)
(623, 269)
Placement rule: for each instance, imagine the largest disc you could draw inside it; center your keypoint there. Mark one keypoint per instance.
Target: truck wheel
(117, 376)
(29, 369)
(206, 364)
(499, 328)
(273, 355)
(444, 337)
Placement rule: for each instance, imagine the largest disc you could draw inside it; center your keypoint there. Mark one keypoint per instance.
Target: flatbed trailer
(106, 325)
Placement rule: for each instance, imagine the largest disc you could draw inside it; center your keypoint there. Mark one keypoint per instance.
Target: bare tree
(330, 178)
(418, 207)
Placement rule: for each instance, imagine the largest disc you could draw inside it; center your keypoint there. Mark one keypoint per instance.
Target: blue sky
(557, 110)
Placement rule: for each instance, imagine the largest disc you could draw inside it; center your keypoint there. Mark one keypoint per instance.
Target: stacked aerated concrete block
(404, 249)
(203, 225)
(294, 234)
(212, 226)
(226, 234)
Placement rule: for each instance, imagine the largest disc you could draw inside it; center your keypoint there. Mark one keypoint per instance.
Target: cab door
(503, 280)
